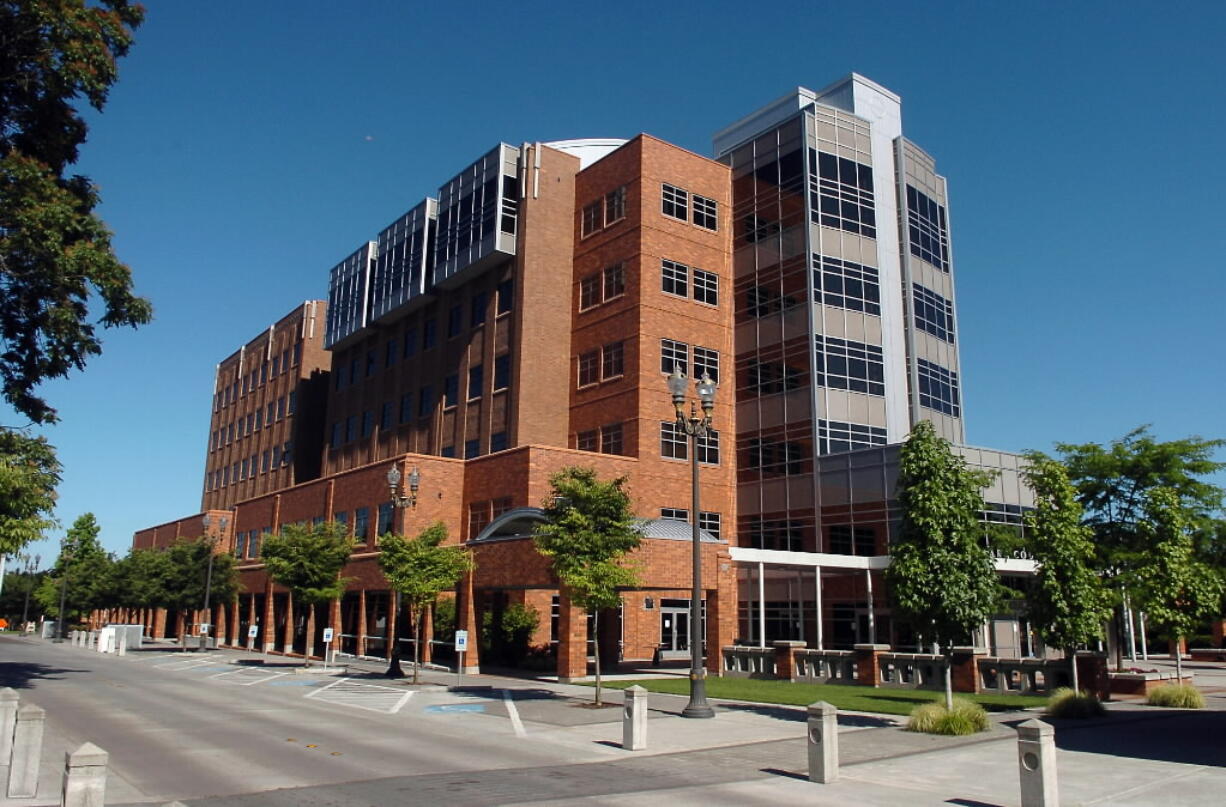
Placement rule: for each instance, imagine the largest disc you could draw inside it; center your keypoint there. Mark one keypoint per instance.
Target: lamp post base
(698, 706)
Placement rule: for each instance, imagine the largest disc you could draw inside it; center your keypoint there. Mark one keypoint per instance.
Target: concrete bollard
(634, 718)
(27, 751)
(823, 742)
(8, 721)
(84, 777)
(1036, 762)
(121, 649)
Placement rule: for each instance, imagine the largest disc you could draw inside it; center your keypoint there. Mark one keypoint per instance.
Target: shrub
(1179, 696)
(1064, 702)
(933, 718)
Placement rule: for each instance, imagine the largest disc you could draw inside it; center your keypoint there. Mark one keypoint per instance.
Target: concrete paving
(199, 728)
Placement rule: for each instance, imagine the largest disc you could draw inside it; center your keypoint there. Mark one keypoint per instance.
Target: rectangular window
(835, 436)
(926, 231)
(429, 334)
(506, 296)
(589, 366)
(285, 360)
(674, 356)
(263, 373)
(615, 205)
(589, 292)
(587, 440)
(371, 364)
(706, 361)
(276, 366)
(478, 518)
(406, 407)
(425, 401)
(706, 287)
(335, 441)
(613, 362)
(848, 540)
(498, 442)
(389, 355)
(297, 353)
(351, 428)
(342, 519)
(674, 514)
(287, 452)
(264, 460)
(242, 472)
(281, 407)
(502, 371)
(354, 376)
(410, 342)
(476, 381)
(368, 423)
(611, 439)
(259, 419)
(841, 194)
(384, 526)
(614, 281)
(675, 203)
(938, 388)
(673, 441)
(455, 321)
(675, 278)
(472, 448)
(592, 217)
(782, 534)
(447, 451)
(361, 524)
(503, 504)
(708, 447)
(706, 212)
(855, 366)
(844, 284)
(933, 313)
(478, 305)
(291, 402)
(386, 415)
(710, 522)
(451, 390)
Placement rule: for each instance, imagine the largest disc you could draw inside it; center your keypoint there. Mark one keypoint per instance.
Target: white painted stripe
(315, 692)
(266, 678)
(400, 703)
(229, 672)
(516, 723)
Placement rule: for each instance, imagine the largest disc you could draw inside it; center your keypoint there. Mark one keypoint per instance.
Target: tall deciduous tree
(83, 572)
(308, 561)
(29, 473)
(55, 253)
(942, 577)
(420, 569)
(1177, 590)
(1068, 603)
(186, 570)
(587, 533)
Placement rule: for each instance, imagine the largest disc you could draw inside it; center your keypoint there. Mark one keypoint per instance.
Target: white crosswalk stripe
(371, 697)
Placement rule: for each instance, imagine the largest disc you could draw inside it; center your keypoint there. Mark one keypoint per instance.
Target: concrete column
(84, 777)
(761, 605)
(819, 633)
(27, 751)
(872, 617)
(634, 719)
(1036, 762)
(9, 700)
(823, 742)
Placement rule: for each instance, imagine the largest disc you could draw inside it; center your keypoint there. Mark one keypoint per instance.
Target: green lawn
(856, 698)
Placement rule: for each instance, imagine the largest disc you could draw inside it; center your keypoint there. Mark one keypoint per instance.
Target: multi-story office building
(525, 319)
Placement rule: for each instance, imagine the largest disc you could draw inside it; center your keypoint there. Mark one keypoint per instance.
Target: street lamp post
(206, 628)
(400, 501)
(696, 427)
(65, 556)
(31, 566)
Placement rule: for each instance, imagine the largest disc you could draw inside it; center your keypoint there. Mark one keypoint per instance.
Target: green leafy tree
(308, 561)
(942, 577)
(142, 579)
(587, 532)
(419, 569)
(55, 253)
(83, 573)
(1068, 603)
(185, 577)
(29, 473)
(1177, 590)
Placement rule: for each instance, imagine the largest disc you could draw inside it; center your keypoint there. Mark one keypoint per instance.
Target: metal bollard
(27, 751)
(634, 719)
(1036, 762)
(84, 777)
(8, 720)
(823, 742)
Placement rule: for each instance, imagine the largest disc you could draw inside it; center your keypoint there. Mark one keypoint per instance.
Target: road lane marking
(516, 723)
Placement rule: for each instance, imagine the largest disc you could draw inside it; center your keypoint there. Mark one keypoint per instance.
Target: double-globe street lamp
(400, 502)
(65, 559)
(696, 427)
(31, 566)
(206, 627)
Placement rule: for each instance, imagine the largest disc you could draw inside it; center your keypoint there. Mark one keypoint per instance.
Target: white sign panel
(461, 640)
(327, 635)
(252, 631)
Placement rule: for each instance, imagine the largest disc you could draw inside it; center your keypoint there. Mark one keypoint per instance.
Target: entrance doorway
(675, 628)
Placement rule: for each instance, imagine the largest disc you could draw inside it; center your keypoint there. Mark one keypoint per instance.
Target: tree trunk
(1178, 660)
(1072, 656)
(416, 615)
(310, 637)
(949, 682)
(595, 649)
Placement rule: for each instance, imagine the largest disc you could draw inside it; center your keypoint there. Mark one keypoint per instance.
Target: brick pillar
(1183, 647)
(427, 636)
(466, 619)
(334, 622)
(964, 672)
(361, 640)
(721, 611)
(251, 618)
(220, 626)
(235, 624)
(269, 634)
(785, 659)
(1218, 628)
(287, 635)
(572, 640)
(868, 665)
(1092, 674)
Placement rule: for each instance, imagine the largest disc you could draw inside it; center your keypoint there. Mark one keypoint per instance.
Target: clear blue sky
(249, 146)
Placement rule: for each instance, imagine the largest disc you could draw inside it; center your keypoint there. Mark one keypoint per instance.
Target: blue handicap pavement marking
(457, 707)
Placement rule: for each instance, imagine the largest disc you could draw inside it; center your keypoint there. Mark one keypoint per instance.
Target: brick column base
(785, 659)
(868, 665)
(964, 669)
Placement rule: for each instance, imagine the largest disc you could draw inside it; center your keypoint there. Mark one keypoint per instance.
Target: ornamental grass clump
(1179, 696)
(934, 718)
(1066, 702)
